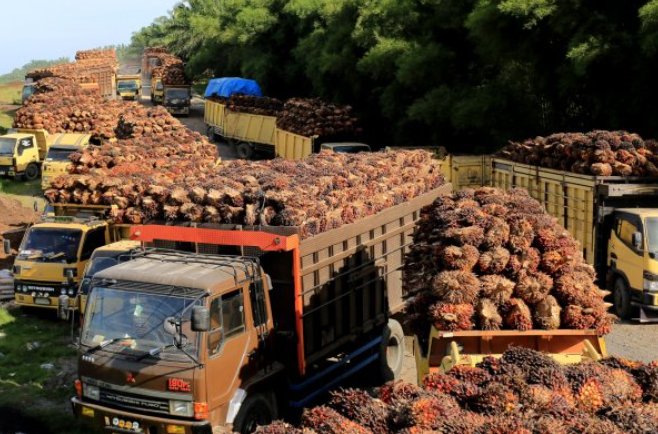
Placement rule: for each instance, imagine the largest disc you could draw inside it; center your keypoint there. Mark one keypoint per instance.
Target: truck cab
(178, 99)
(103, 257)
(129, 87)
(157, 91)
(57, 158)
(192, 331)
(21, 154)
(52, 257)
(633, 262)
(28, 90)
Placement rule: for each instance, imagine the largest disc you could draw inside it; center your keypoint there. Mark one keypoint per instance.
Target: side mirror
(35, 205)
(7, 247)
(63, 307)
(69, 277)
(637, 240)
(200, 319)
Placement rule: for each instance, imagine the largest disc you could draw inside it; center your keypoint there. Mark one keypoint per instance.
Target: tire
(31, 172)
(255, 411)
(622, 299)
(211, 134)
(245, 151)
(391, 353)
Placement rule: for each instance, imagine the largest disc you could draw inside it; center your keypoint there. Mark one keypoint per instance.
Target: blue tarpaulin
(227, 86)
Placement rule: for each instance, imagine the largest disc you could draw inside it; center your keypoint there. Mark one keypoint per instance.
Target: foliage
(469, 75)
(18, 74)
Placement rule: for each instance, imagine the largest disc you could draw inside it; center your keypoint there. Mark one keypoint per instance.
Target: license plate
(42, 301)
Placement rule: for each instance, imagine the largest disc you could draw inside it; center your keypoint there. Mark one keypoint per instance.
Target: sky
(49, 29)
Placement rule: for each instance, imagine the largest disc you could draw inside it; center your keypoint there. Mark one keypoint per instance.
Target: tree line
(469, 75)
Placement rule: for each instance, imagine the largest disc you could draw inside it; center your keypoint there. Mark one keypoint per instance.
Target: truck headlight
(91, 392)
(650, 282)
(181, 408)
(63, 291)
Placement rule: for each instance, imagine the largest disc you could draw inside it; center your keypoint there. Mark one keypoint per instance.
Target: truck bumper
(109, 420)
(36, 294)
(179, 111)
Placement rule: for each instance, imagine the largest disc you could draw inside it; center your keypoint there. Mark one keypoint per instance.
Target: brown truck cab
(177, 341)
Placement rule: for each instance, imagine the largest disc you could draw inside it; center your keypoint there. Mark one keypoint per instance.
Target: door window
(94, 240)
(625, 232)
(25, 144)
(226, 320)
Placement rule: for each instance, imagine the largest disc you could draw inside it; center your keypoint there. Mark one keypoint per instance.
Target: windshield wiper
(154, 351)
(105, 344)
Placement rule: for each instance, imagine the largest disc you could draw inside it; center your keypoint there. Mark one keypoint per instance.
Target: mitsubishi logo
(130, 379)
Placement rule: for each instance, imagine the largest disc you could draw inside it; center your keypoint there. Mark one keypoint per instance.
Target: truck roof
(119, 246)
(642, 212)
(211, 273)
(16, 136)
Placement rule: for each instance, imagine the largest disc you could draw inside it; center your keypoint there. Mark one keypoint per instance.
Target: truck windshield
(27, 92)
(51, 245)
(96, 265)
(118, 313)
(127, 85)
(58, 154)
(7, 146)
(178, 94)
(651, 224)
(350, 149)
(158, 86)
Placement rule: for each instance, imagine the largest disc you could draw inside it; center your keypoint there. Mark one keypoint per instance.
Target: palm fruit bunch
(490, 259)
(521, 392)
(599, 153)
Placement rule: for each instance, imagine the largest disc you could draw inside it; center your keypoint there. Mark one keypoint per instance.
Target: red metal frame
(263, 240)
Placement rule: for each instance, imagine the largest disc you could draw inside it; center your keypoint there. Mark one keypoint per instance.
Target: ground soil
(13, 216)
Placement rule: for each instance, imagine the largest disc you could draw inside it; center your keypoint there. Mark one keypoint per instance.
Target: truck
(23, 151)
(177, 99)
(614, 218)
(129, 87)
(444, 350)
(253, 134)
(57, 158)
(215, 327)
(53, 254)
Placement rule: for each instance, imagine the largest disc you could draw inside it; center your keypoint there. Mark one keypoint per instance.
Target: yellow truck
(22, 152)
(53, 255)
(177, 99)
(129, 87)
(257, 134)
(445, 350)
(614, 218)
(57, 157)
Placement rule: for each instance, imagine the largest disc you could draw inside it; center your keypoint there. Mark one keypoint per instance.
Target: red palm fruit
(494, 209)
(518, 316)
(429, 412)
(647, 377)
(543, 400)
(452, 317)
(601, 169)
(324, 420)
(547, 313)
(456, 287)
(488, 316)
(494, 399)
(399, 391)
(461, 258)
(577, 289)
(504, 425)
(494, 261)
(552, 261)
(589, 397)
(361, 408)
(632, 419)
(521, 233)
(473, 235)
(497, 233)
(469, 374)
(278, 427)
(440, 382)
(533, 288)
(526, 260)
(586, 423)
(496, 288)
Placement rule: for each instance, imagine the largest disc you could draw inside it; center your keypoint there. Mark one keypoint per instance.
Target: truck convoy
(250, 320)
(253, 134)
(53, 255)
(23, 152)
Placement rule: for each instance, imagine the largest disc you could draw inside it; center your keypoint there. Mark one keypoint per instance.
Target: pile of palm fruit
(601, 153)
(523, 392)
(175, 178)
(315, 117)
(490, 259)
(257, 105)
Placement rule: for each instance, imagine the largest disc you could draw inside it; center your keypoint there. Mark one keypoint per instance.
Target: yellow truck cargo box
(249, 128)
(214, 116)
(293, 146)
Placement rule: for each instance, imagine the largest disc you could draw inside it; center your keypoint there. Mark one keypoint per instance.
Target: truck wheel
(391, 353)
(622, 299)
(256, 410)
(245, 151)
(211, 134)
(31, 172)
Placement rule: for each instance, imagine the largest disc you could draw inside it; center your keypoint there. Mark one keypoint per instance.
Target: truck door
(95, 238)
(623, 255)
(230, 341)
(25, 152)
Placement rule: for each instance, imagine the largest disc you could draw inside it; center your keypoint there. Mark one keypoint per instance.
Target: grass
(11, 93)
(37, 396)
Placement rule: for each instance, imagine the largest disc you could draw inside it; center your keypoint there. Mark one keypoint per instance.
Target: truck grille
(129, 401)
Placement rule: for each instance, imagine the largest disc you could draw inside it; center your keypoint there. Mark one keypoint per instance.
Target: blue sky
(49, 29)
